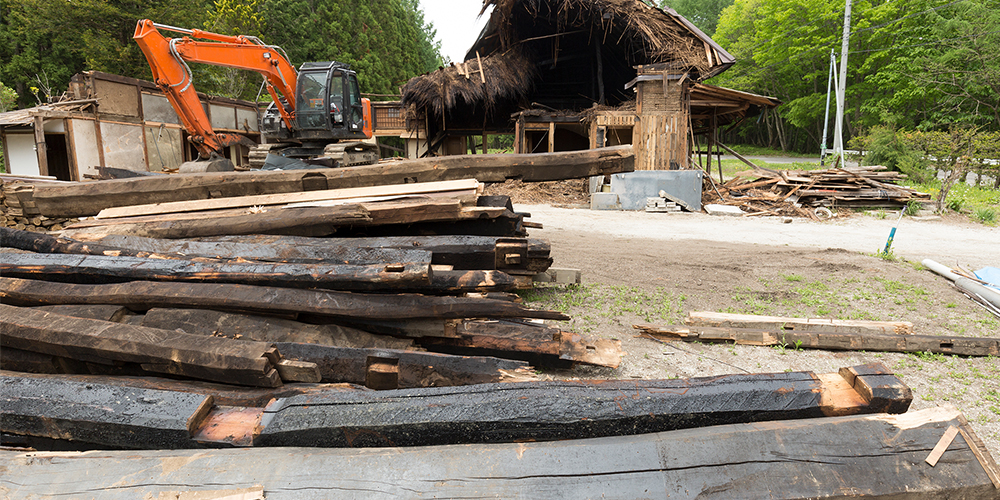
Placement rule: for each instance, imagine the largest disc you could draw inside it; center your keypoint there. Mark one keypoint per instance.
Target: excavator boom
(168, 59)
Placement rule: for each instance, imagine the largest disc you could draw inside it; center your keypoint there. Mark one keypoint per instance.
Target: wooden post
(40, 148)
(552, 137)
(600, 73)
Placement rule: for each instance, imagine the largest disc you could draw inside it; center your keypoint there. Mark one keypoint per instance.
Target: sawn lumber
(873, 456)
(963, 346)
(89, 198)
(709, 318)
(143, 295)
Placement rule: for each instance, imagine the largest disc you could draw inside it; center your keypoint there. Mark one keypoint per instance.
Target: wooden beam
(456, 188)
(116, 416)
(266, 329)
(41, 149)
(143, 295)
(107, 269)
(805, 339)
(548, 410)
(410, 369)
(160, 351)
(89, 198)
(864, 451)
(320, 221)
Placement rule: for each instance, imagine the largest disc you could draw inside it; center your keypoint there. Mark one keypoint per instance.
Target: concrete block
(604, 201)
(680, 186)
(714, 209)
(558, 275)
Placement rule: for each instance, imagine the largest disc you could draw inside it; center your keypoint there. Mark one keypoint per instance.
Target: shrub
(894, 151)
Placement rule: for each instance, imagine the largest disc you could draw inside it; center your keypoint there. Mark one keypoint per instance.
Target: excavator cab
(329, 103)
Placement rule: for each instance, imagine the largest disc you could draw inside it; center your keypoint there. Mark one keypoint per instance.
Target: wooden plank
(321, 221)
(121, 417)
(941, 446)
(143, 295)
(692, 463)
(161, 351)
(709, 318)
(448, 188)
(805, 339)
(539, 411)
(411, 369)
(89, 198)
(266, 329)
(93, 311)
(108, 269)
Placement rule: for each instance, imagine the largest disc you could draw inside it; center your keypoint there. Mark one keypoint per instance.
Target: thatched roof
(564, 54)
(501, 78)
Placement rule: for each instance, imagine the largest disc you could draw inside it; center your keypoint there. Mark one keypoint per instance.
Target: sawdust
(556, 193)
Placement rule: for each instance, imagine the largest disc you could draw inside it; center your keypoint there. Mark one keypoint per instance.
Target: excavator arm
(168, 58)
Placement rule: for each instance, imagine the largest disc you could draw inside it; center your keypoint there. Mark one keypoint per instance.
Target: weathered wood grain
(89, 198)
(875, 456)
(266, 329)
(964, 346)
(143, 295)
(122, 417)
(331, 276)
(547, 410)
(162, 351)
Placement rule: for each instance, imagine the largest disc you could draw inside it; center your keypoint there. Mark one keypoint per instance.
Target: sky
(456, 24)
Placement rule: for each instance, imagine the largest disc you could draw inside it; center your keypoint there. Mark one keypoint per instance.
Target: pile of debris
(798, 193)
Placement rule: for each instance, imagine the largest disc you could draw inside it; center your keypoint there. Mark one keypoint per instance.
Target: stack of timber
(18, 211)
(81, 199)
(816, 333)
(424, 301)
(798, 193)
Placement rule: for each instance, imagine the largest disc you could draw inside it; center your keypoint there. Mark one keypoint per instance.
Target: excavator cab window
(357, 116)
(337, 99)
(312, 96)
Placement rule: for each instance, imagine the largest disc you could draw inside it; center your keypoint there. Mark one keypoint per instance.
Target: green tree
(702, 13)
(45, 42)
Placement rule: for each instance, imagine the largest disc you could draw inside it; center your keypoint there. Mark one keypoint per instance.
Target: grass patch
(981, 204)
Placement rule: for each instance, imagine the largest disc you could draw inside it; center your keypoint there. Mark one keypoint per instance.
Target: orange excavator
(317, 115)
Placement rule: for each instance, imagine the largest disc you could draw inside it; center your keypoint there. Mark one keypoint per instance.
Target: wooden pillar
(552, 137)
(40, 148)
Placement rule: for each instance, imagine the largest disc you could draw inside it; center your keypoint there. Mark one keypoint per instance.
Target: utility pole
(838, 131)
(826, 114)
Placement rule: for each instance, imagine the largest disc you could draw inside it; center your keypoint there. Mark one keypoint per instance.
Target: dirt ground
(655, 268)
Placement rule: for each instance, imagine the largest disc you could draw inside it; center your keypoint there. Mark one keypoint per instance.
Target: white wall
(21, 154)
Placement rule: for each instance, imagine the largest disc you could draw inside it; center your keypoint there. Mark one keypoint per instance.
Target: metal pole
(826, 115)
(838, 131)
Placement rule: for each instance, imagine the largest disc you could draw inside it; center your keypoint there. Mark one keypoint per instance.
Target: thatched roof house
(559, 54)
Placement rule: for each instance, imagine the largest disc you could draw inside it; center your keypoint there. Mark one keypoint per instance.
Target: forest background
(923, 76)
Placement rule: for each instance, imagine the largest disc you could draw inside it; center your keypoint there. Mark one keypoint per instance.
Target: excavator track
(258, 153)
(347, 154)
(344, 154)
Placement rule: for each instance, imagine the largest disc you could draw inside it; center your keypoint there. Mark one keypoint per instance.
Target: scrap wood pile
(799, 193)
